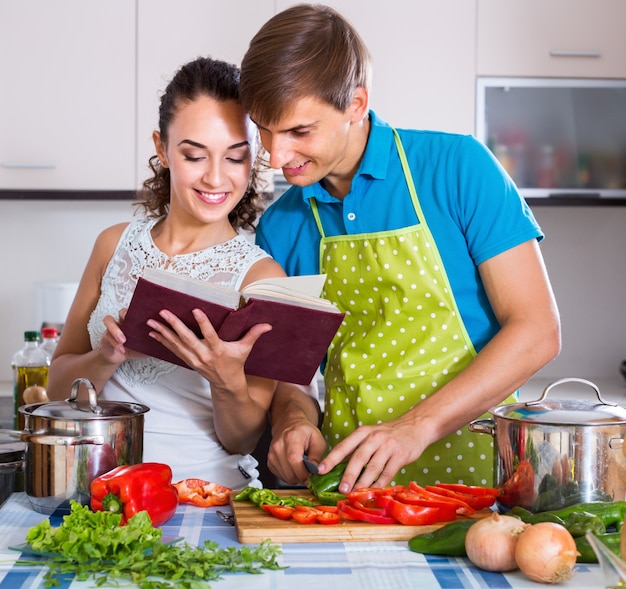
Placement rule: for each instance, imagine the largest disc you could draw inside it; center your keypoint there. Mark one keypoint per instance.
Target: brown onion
(490, 542)
(546, 553)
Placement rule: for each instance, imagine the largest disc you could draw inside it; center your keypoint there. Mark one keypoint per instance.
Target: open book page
(295, 290)
(281, 294)
(298, 290)
(201, 289)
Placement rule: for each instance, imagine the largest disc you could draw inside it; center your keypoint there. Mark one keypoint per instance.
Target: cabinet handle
(28, 165)
(574, 53)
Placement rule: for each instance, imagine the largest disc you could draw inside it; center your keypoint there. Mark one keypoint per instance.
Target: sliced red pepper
(462, 507)
(349, 511)
(279, 511)
(470, 489)
(415, 515)
(129, 489)
(328, 508)
(202, 493)
(477, 502)
(366, 493)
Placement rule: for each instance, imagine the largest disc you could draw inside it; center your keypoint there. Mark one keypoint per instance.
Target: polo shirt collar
(374, 162)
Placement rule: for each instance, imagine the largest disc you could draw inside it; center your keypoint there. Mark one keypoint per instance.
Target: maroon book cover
(291, 352)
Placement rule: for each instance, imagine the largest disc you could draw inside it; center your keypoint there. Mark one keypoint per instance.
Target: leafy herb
(93, 545)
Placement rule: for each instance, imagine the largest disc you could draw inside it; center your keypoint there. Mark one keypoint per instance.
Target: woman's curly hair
(202, 77)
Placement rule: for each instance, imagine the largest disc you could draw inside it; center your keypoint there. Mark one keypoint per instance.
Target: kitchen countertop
(344, 565)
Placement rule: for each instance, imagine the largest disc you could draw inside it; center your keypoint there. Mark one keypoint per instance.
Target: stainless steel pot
(71, 442)
(550, 453)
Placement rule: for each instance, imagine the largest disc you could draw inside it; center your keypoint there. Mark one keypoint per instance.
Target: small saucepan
(69, 443)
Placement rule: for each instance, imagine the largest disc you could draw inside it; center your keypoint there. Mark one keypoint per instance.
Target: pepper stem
(112, 503)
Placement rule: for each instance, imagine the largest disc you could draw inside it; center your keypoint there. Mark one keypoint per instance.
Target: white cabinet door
(554, 38)
(173, 33)
(424, 59)
(67, 105)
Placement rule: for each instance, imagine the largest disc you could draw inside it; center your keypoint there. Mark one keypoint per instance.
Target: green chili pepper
(528, 517)
(448, 540)
(612, 513)
(329, 497)
(586, 553)
(244, 494)
(294, 500)
(579, 523)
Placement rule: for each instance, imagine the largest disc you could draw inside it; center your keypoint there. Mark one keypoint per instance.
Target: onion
(546, 553)
(490, 542)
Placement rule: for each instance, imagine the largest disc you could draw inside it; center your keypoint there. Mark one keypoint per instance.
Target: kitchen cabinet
(551, 38)
(67, 109)
(423, 56)
(170, 34)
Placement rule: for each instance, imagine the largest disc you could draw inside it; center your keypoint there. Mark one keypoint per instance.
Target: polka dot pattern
(399, 344)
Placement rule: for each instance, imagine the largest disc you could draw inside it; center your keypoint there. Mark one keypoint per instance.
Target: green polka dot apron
(399, 343)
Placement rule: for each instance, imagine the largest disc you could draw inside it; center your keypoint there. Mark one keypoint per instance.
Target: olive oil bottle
(30, 368)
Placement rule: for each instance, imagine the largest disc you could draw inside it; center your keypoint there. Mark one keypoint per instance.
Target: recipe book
(303, 323)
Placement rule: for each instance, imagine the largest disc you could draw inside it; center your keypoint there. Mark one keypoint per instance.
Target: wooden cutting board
(255, 525)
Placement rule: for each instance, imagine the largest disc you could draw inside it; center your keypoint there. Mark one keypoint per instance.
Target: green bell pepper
(324, 486)
(448, 540)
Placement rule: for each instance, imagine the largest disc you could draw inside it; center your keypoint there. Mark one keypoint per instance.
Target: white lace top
(178, 429)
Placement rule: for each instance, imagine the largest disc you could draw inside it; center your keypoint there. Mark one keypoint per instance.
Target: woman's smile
(213, 198)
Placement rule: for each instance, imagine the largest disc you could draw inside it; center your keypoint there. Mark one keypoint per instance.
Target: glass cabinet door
(557, 136)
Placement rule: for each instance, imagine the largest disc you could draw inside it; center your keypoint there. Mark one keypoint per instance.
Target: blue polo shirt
(470, 204)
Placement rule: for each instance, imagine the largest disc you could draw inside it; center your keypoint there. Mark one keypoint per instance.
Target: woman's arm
(74, 357)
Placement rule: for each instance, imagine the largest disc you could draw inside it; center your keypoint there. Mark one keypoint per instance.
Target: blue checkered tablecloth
(335, 565)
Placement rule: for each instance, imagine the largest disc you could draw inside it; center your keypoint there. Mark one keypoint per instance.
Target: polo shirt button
(351, 216)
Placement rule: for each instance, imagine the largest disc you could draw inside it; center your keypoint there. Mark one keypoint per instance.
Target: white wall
(44, 241)
(585, 253)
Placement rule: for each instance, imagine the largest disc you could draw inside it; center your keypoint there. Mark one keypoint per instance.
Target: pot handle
(483, 426)
(93, 396)
(52, 440)
(571, 379)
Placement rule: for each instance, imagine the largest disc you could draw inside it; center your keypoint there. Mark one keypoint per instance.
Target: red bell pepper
(202, 493)
(129, 489)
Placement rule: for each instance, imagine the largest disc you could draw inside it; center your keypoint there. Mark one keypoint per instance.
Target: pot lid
(74, 409)
(83, 410)
(564, 411)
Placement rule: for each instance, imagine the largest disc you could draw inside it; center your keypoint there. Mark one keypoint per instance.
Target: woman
(201, 422)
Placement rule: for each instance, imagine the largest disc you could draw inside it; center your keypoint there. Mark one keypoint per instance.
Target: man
(429, 249)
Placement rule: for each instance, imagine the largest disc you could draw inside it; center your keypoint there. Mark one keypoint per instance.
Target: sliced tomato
(279, 511)
(304, 517)
(328, 517)
(328, 508)
(202, 493)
